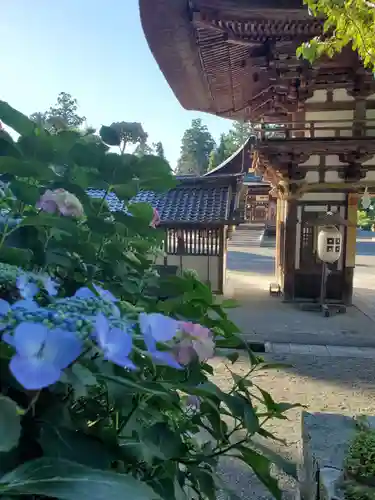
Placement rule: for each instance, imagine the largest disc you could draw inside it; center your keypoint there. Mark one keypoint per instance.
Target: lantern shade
(329, 246)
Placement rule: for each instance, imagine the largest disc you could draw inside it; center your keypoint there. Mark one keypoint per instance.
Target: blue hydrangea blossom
(115, 343)
(156, 327)
(86, 293)
(41, 354)
(50, 286)
(27, 290)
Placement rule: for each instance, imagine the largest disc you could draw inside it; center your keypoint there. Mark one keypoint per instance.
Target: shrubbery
(106, 388)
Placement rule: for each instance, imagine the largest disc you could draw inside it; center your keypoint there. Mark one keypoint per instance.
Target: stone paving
(331, 372)
(265, 318)
(343, 385)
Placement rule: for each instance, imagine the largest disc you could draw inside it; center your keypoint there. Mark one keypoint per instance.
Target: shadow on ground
(250, 262)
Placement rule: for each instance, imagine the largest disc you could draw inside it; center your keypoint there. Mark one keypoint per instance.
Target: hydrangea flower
(50, 286)
(61, 201)
(27, 290)
(4, 307)
(197, 341)
(155, 328)
(86, 293)
(41, 354)
(115, 343)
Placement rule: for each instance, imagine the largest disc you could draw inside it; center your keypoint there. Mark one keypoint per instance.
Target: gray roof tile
(190, 202)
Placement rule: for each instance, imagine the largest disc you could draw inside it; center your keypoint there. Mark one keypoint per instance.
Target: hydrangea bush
(106, 388)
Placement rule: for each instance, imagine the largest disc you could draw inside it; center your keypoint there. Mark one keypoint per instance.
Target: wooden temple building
(255, 202)
(238, 60)
(195, 217)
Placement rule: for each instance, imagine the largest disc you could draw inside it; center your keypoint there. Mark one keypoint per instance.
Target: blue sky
(97, 52)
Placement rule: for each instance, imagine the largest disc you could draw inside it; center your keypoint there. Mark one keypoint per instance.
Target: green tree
(63, 114)
(159, 149)
(348, 22)
(197, 144)
(237, 136)
(143, 149)
(131, 133)
(219, 154)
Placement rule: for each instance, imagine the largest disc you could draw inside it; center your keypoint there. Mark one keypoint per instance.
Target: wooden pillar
(290, 249)
(350, 248)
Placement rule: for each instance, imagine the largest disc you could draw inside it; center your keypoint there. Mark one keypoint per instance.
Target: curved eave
(171, 39)
(235, 164)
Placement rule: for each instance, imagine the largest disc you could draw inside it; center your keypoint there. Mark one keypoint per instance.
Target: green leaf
(141, 210)
(126, 191)
(25, 192)
(144, 387)
(233, 357)
(74, 446)
(24, 168)
(229, 304)
(67, 480)
(161, 441)
(110, 136)
(205, 480)
(261, 467)
(7, 146)
(101, 226)
(290, 468)
(251, 419)
(15, 256)
(10, 424)
(66, 224)
(16, 120)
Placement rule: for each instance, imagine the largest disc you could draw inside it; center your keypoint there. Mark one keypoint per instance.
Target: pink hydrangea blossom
(61, 201)
(155, 219)
(196, 342)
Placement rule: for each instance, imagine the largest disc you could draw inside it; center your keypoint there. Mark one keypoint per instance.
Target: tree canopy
(348, 22)
(196, 146)
(62, 115)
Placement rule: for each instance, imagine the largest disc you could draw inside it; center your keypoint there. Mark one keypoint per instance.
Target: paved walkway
(264, 318)
(343, 385)
(326, 367)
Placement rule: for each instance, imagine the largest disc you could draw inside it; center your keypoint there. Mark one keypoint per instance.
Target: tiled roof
(237, 163)
(192, 201)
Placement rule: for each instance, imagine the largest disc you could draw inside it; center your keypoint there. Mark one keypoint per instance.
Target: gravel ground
(335, 385)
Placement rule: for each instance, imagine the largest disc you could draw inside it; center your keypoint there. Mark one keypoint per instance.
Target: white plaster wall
(370, 176)
(341, 95)
(332, 176)
(328, 117)
(333, 161)
(312, 161)
(318, 96)
(323, 197)
(371, 161)
(370, 121)
(207, 267)
(312, 177)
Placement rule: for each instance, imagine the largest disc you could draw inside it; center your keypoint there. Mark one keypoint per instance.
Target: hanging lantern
(366, 200)
(329, 244)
